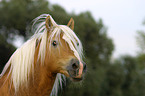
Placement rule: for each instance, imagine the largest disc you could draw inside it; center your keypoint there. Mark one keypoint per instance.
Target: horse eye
(54, 43)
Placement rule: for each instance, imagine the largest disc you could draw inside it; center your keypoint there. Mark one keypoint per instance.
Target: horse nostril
(75, 66)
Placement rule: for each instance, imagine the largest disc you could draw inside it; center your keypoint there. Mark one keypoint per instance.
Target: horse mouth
(76, 79)
(73, 76)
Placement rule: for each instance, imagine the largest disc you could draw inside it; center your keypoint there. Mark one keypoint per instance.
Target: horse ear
(48, 23)
(71, 23)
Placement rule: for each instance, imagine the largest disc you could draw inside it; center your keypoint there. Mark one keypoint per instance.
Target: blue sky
(122, 17)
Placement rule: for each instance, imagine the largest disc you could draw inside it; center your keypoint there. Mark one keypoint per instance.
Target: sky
(123, 18)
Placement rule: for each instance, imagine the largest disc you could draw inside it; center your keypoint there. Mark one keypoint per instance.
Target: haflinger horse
(38, 67)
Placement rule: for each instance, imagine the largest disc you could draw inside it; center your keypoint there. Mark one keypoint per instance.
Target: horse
(40, 65)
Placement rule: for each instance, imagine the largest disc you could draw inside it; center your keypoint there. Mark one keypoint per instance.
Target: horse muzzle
(76, 70)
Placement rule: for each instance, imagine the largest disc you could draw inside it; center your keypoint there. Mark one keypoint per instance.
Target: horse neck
(6, 86)
(42, 81)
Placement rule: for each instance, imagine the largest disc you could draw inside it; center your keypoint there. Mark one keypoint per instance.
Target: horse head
(64, 50)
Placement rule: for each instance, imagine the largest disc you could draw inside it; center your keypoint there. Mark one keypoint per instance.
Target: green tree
(6, 51)
(133, 85)
(17, 14)
(141, 53)
(125, 78)
(141, 41)
(115, 79)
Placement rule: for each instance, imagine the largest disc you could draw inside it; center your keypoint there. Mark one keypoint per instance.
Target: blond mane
(22, 60)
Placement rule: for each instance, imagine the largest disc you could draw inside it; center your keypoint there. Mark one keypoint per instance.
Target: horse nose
(75, 64)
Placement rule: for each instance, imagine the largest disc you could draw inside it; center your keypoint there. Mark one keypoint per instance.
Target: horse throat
(42, 82)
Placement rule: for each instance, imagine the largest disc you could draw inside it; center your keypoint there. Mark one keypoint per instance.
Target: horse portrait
(40, 65)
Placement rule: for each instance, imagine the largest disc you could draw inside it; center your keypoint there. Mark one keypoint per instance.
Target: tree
(6, 51)
(17, 14)
(124, 78)
(141, 54)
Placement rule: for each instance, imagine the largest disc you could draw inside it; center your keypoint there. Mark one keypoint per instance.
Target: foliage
(6, 51)
(141, 40)
(17, 14)
(141, 54)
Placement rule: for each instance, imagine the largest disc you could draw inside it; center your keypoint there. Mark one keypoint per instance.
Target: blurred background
(112, 33)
